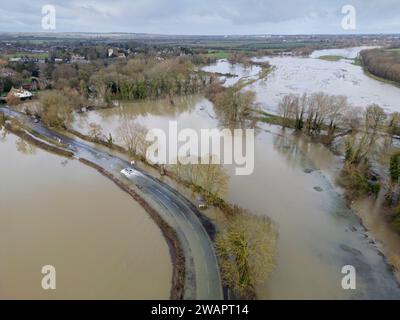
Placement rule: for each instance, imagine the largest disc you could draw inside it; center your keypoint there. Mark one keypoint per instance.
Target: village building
(78, 59)
(15, 59)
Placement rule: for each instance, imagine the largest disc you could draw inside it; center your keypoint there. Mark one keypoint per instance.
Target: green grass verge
(27, 54)
(331, 58)
(218, 54)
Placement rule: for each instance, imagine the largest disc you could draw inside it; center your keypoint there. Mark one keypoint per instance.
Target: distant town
(28, 60)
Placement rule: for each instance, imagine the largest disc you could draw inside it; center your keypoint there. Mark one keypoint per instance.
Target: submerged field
(59, 212)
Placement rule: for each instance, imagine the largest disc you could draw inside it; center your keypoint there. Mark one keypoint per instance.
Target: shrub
(12, 100)
(246, 248)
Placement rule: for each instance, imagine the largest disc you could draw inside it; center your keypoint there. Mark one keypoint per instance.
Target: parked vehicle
(202, 206)
(128, 172)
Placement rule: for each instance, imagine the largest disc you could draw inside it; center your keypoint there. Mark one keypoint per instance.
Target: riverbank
(36, 141)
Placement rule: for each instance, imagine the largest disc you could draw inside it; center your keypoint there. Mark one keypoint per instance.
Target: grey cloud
(202, 17)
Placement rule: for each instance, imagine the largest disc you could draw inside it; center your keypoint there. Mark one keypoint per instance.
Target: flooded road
(58, 212)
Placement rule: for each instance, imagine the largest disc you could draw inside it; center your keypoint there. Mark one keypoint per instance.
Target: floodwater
(387, 239)
(293, 181)
(236, 71)
(59, 212)
(193, 112)
(318, 235)
(300, 75)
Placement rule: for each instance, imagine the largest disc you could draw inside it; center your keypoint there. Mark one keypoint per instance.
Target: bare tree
(337, 107)
(301, 111)
(133, 137)
(319, 104)
(394, 124)
(352, 118)
(288, 107)
(374, 117)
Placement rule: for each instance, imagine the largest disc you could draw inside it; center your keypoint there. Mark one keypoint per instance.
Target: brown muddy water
(194, 112)
(318, 234)
(62, 213)
(387, 239)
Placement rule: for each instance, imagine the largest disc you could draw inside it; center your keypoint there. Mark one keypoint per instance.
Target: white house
(20, 93)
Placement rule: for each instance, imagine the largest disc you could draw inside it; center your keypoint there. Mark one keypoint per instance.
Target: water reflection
(289, 150)
(132, 110)
(193, 112)
(24, 147)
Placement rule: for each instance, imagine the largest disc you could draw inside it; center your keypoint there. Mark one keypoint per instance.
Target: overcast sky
(196, 17)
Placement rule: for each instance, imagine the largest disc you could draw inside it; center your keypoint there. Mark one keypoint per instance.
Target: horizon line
(198, 35)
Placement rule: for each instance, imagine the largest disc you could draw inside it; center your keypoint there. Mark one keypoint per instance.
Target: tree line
(367, 138)
(384, 63)
(143, 78)
(318, 114)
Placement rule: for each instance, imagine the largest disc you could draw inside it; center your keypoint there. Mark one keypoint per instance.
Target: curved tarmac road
(202, 277)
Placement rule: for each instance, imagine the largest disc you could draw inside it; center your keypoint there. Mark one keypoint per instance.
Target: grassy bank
(369, 74)
(20, 131)
(270, 118)
(331, 58)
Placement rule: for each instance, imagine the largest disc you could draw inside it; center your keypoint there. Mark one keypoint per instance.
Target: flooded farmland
(59, 212)
(300, 75)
